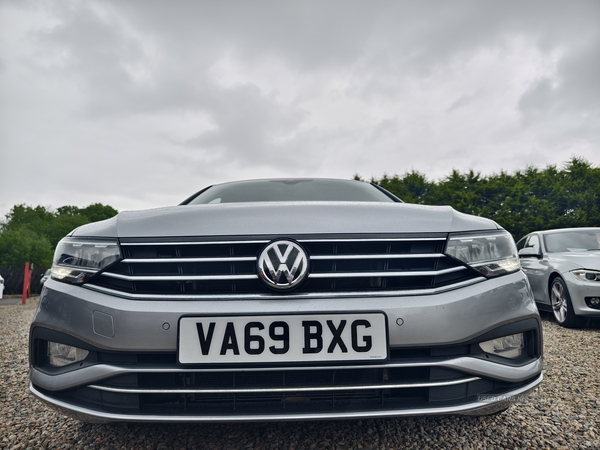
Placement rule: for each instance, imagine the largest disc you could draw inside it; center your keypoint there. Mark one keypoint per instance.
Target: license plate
(283, 338)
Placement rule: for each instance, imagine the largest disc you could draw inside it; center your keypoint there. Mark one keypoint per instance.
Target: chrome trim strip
(385, 274)
(283, 389)
(379, 256)
(195, 242)
(185, 260)
(417, 239)
(253, 258)
(179, 277)
(253, 276)
(291, 296)
(374, 240)
(473, 408)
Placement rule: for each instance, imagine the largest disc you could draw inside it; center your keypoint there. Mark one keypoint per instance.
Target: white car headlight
(76, 260)
(491, 254)
(586, 275)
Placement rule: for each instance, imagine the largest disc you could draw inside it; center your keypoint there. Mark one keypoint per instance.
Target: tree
(525, 201)
(32, 233)
(20, 245)
(97, 211)
(412, 187)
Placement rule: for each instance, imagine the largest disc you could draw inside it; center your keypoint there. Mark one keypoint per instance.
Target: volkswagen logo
(283, 264)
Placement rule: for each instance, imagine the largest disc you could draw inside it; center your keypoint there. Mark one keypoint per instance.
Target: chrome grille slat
(184, 260)
(192, 243)
(312, 275)
(275, 296)
(373, 240)
(181, 277)
(251, 258)
(125, 390)
(382, 256)
(384, 274)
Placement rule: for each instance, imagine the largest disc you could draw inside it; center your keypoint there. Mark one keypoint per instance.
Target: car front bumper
(435, 365)
(579, 291)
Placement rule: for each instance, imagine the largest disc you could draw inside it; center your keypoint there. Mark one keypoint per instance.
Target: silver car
(563, 267)
(285, 299)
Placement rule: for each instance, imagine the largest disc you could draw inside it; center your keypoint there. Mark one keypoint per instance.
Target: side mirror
(529, 252)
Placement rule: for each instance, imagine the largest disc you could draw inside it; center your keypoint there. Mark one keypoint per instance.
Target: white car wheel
(561, 304)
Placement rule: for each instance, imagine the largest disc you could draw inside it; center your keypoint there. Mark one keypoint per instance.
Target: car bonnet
(285, 218)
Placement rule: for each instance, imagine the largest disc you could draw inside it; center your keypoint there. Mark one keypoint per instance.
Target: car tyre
(562, 307)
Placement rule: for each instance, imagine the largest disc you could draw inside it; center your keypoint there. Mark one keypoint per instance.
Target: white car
(1, 286)
(563, 267)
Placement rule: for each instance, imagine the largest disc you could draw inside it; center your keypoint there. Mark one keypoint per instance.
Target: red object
(26, 283)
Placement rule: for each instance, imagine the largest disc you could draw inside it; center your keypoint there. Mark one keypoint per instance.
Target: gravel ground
(563, 413)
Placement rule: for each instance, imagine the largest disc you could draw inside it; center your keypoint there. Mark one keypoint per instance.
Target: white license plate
(283, 338)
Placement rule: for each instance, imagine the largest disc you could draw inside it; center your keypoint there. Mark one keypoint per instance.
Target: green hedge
(523, 201)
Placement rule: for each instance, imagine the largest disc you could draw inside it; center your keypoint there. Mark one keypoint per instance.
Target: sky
(139, 104)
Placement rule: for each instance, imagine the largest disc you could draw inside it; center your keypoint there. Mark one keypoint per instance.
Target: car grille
(151, 384)
(228, 267)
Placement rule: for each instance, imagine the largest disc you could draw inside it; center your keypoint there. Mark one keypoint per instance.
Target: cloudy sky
(139, 104)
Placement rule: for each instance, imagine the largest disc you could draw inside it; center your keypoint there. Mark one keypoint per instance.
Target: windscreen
(573, 241)
(291, 191)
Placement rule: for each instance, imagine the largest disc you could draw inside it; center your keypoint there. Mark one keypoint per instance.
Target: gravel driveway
(563, 413)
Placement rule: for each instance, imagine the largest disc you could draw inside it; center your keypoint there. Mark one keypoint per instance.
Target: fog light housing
(512, 346)
(60, 355)
(593, 302)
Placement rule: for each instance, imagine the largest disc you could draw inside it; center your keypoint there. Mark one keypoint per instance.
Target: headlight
(60, 355)
(586, 275)
(77, 260)
(492, 254)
